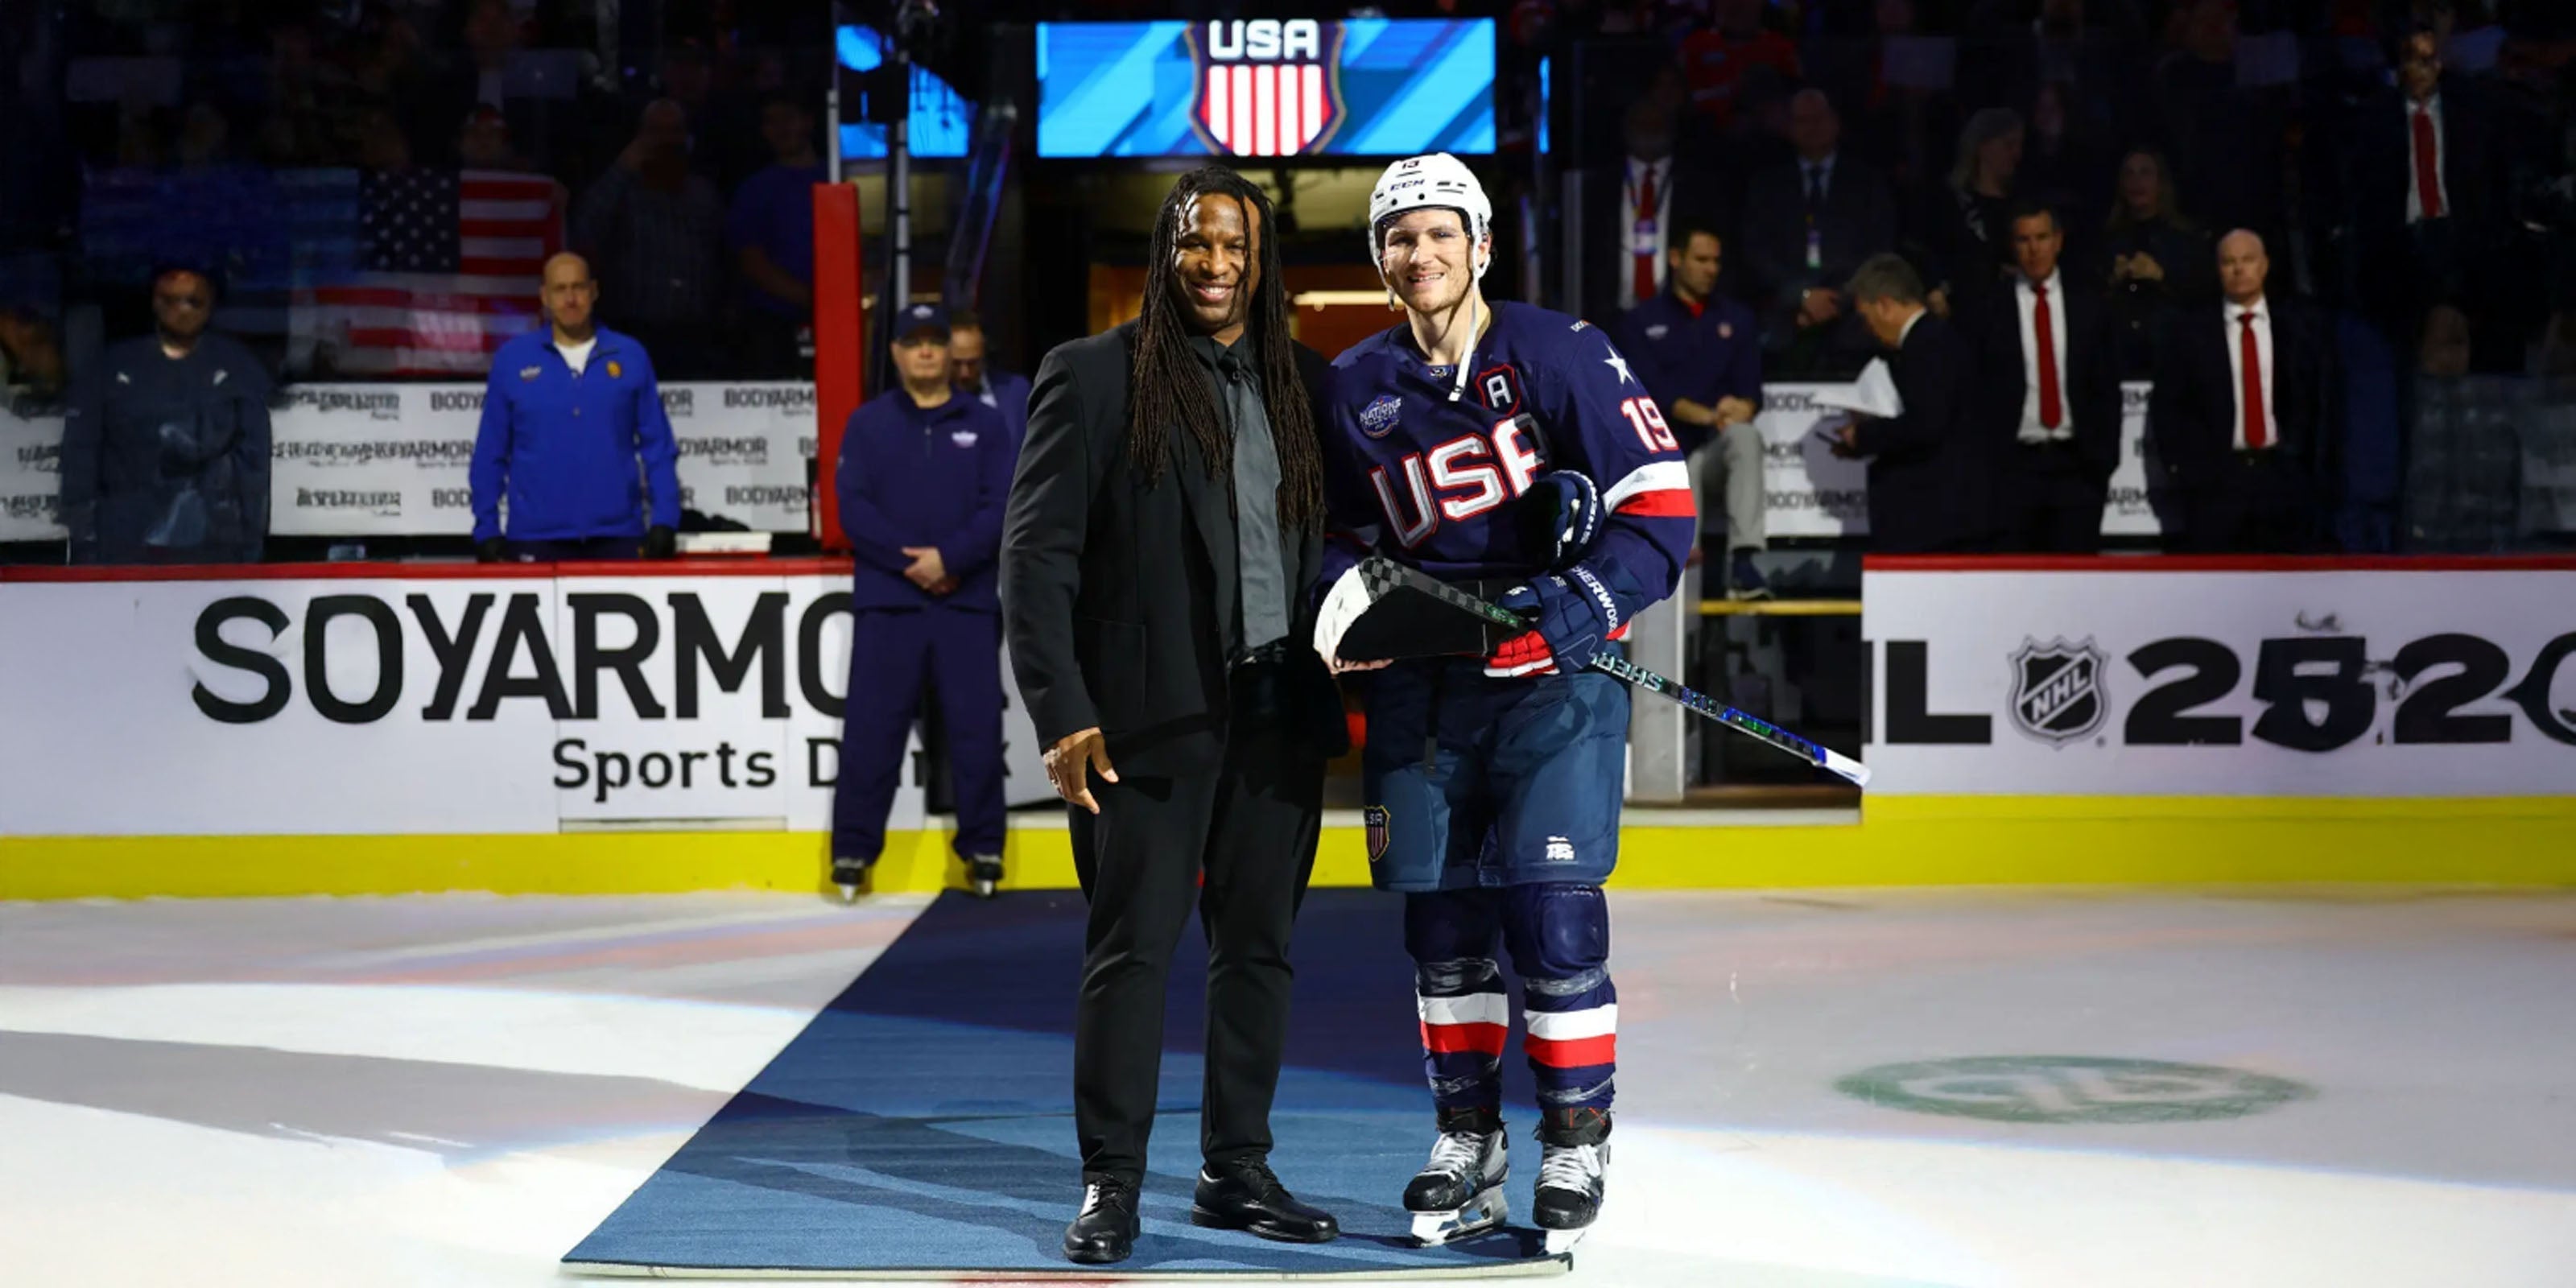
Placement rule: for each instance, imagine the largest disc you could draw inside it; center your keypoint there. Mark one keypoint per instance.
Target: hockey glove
(1559, 517)
(1572, 617)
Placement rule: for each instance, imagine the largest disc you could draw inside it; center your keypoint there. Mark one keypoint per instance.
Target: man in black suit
(2048, 396)
(1631, 217)
(2423, 174)
(1928, 473)
(1160, 548)
(1808, 223)
(2242, 414)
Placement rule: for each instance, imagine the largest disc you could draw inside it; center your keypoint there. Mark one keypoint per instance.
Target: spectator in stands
(1961, 235)
(483, 143)
(1808, 224)
(31, 356)
(1928, 471)
(2048, 398)
(921, 483)
(568, 412)
(165, 454)
(1657, 192)
(2241, 413)
(1716, 58)
(2156, 260)
(2425, 189)
(654, 228)
(2225, 137)
(2061, 163)
(771, 233)
(976, 377)
(1699, 354)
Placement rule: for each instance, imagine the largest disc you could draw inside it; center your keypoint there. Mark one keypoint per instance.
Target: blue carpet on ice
(924, 1120)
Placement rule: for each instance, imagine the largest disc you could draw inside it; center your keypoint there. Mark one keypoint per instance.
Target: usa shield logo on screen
(1266, 87)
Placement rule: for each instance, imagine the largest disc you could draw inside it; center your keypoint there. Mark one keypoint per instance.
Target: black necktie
(1815, 186)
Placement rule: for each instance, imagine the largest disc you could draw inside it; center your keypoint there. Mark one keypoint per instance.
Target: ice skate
(984, 874)
(849, 874)
(1573, 1171)
(1459, 1193)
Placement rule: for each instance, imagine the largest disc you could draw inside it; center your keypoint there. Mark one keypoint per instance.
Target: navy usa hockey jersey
(1431, 482)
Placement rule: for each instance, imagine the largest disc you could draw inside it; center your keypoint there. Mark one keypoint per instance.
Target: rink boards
(596, 728)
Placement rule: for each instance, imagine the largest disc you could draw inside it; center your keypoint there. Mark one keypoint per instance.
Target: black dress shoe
(1247, 1196)
(1105, 1231)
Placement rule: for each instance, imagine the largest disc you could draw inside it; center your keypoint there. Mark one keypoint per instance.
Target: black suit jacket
(2191, 416)
(2383, 165)
(1695, 200)
(2092, 374)
(1119, 598)
(1858, 221)
(1929, 471)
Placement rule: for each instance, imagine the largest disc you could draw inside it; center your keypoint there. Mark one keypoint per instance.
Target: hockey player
(1493, 783)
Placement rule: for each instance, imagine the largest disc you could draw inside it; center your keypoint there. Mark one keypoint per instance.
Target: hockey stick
(1383, 573)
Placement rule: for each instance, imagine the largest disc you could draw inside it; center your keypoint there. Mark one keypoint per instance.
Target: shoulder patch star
(1620, 365)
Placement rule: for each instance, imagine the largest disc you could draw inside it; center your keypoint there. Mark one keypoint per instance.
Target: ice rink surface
(1961, 1087)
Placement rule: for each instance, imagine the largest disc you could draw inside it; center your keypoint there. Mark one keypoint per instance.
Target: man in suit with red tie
(2049, 396)
(2425, 185)
(2243, 412)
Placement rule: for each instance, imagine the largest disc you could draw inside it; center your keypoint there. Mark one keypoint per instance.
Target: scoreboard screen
(1265, 87)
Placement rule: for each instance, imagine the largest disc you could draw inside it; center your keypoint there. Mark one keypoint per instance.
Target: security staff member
(165, 449)
(566, 412)
(923, 475)
(1701, 357)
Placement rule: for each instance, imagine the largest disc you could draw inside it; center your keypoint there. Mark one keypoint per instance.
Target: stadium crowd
(2407, 169)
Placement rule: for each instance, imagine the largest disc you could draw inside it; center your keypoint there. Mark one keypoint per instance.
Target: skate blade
(849, 894)
(984, 889)
(1486, 1211)
(1561, 1242)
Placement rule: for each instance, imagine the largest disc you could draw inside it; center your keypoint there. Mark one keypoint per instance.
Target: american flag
(447, 266)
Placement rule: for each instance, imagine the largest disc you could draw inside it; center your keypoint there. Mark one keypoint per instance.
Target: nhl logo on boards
(1377, 420)
(2057, 690)
(1267, 87)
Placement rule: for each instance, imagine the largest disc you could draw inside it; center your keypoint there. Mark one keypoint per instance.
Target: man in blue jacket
(567, 412)
(1700, 355)
(923, 475)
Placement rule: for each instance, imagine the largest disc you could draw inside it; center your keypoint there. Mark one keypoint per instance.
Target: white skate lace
(1457, 1153)
(1569, 1167)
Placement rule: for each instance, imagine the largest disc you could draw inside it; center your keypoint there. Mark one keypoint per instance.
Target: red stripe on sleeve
(1662, 503)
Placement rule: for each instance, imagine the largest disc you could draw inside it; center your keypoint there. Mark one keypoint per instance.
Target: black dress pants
(2254, 503)
(2052, 503)
(1247, 815)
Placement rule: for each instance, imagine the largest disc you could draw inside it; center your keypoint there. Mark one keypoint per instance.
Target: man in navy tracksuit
(1700, 355)
(923, 475)
(567, 412)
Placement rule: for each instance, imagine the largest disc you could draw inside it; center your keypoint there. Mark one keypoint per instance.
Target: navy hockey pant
(1559, 940)
(894, 654)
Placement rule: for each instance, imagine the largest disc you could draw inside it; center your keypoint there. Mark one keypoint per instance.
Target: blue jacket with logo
(563, 447)
(1717, 354)
(915, 476)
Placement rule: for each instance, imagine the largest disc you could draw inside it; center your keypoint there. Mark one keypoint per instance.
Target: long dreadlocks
(1171, 388)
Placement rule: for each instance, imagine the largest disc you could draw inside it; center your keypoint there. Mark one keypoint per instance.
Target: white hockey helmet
(1436, 180)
